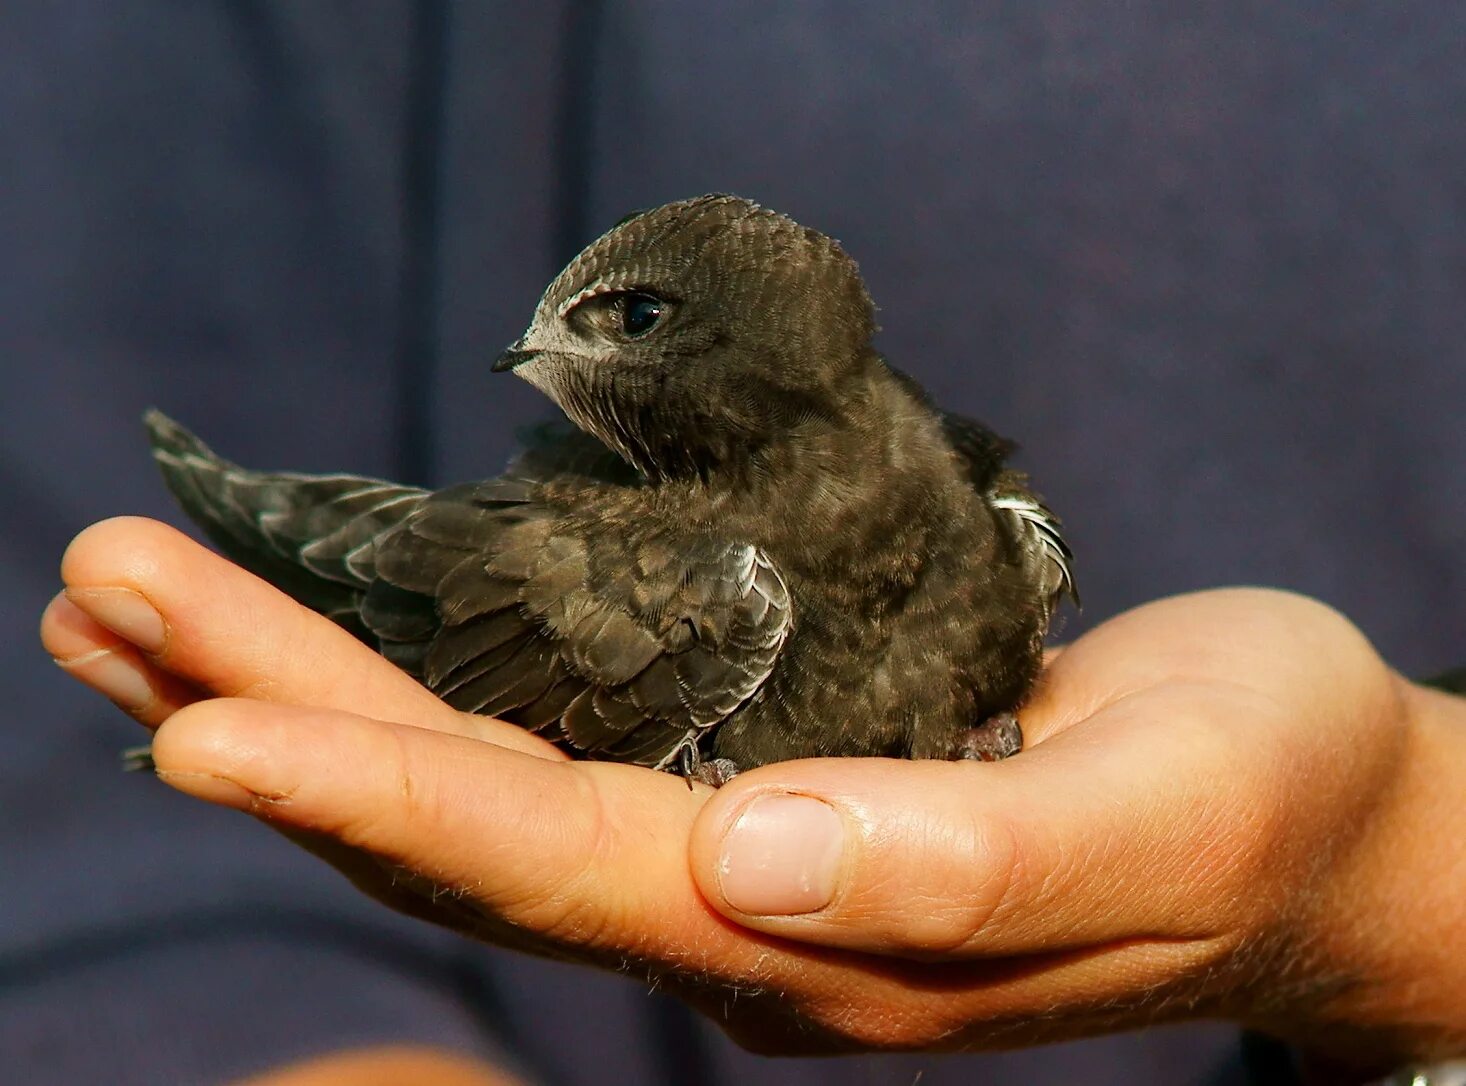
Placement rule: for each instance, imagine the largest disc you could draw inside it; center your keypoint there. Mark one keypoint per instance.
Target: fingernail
(114, 676)
(781, 857)
(211, 789)
(125, 612)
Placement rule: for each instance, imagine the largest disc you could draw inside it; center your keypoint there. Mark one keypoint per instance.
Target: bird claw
(716, 771)
(689, 761)
(690, 764)
(994, 739)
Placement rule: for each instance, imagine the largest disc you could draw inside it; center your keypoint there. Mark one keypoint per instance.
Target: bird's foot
(687, 757)
(994, 739)
(716, 771)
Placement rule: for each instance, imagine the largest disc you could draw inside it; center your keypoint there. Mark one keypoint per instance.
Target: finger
(1162, 798)
(204, 619)
(94, 655)
(572, 851)
(387, 1065)
(1132, 828)
(199, 617)
(589, 861)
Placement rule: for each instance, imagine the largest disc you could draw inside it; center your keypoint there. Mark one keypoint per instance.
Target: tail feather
(310, 535)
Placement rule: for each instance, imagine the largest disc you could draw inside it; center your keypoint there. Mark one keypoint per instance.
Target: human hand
(1229, 807)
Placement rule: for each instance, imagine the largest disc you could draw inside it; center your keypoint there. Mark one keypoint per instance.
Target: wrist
(1387, 943)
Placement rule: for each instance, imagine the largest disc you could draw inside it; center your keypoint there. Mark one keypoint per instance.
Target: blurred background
(1205, 261)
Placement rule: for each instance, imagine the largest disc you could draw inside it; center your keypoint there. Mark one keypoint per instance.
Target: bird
(750, 539)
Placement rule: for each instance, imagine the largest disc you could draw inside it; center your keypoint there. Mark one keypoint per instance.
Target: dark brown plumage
(761, 543)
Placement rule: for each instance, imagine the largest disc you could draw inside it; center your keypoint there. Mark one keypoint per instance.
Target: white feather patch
(1039, 524)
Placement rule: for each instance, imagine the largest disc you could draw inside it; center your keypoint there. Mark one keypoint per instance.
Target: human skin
(386, 1066)
(1229, 807)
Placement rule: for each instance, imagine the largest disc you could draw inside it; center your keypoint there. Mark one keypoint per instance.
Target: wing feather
(502, 601)
(615, 649)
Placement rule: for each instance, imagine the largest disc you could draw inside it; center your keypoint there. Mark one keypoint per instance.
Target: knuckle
(970, 887)
(946, 930)
(565, 899)
(405, 796)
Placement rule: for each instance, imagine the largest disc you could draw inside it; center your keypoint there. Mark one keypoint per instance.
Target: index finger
(202, 619)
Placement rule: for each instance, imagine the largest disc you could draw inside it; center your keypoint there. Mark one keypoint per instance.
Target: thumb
(1144, 823)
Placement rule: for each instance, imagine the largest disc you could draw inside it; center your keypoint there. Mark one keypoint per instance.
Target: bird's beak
(513, 358)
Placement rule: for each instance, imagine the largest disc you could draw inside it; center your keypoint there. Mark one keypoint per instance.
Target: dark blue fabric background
(1207, 261)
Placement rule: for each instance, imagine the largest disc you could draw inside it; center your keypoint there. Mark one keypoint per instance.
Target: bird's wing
(1036, 531)
(501, 605)
(505, 607)
(982, 452)
(1030, 523)
(310, 535)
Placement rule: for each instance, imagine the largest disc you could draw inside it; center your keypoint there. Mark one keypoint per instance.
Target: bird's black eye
(640, 313)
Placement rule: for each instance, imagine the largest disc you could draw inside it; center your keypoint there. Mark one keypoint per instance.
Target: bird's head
(694, 334)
